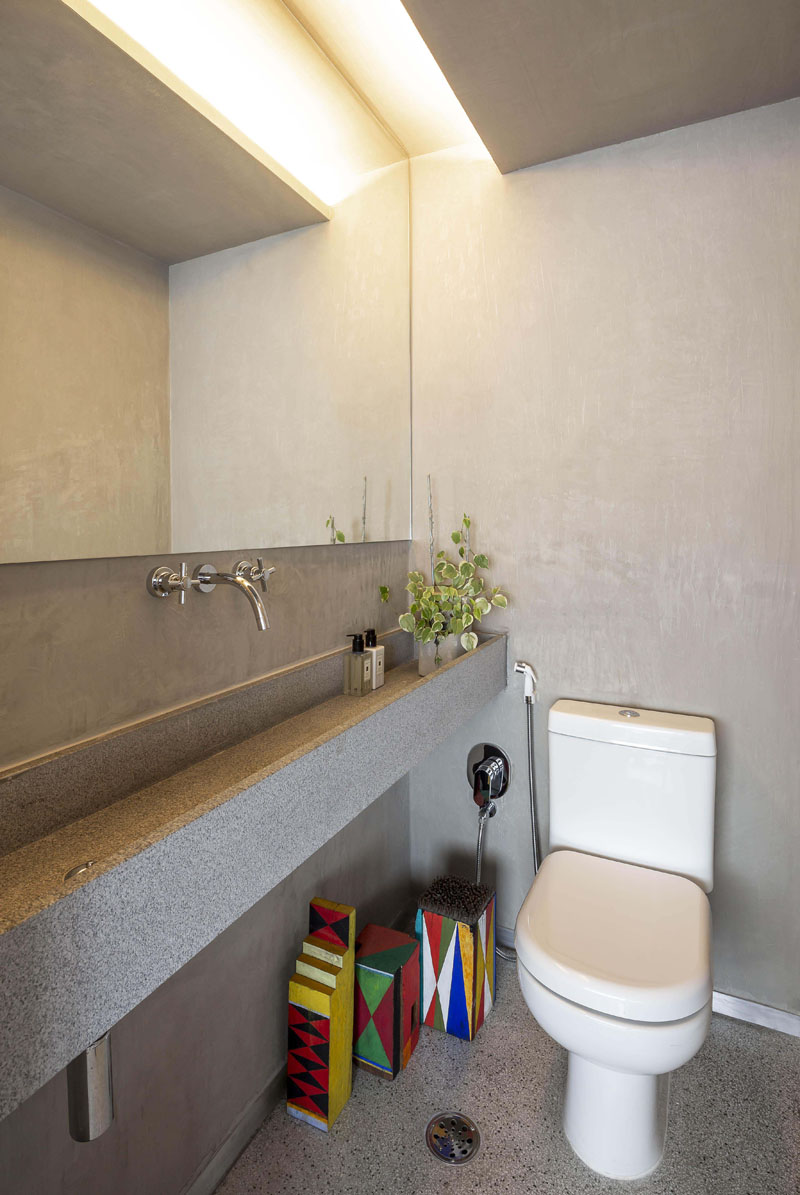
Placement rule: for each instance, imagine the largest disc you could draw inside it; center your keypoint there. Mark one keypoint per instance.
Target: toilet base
(615, 1121)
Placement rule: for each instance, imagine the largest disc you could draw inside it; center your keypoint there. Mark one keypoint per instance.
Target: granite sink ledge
(177, 862)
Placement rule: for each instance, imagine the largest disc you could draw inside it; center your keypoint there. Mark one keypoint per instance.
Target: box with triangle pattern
(320, 1063)
(386, 1021)
(455, 928)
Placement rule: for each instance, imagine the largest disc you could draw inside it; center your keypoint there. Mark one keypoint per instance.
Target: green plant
(337, 537)
(455, 600)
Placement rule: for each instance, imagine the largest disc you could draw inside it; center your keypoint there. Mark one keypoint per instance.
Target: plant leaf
(384, 592)
(500, 600)
(407, 622)
(467, 521)
(481, 561)
(340, 537)
(469, 641)
(467, 569)
(455, 536)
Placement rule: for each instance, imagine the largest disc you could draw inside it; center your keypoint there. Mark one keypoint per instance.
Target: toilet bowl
(614, 963)
(614, 938)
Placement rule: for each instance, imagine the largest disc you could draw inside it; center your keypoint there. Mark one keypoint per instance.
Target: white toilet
(613, 939)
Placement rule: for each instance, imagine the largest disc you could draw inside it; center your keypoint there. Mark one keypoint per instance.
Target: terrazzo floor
(734, 1121)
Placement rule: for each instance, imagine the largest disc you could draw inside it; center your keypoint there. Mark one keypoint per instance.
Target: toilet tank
(635, 785)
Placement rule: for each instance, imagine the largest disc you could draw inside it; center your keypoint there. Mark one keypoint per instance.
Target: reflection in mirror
(290, 381)
(238, 397)
(288, 385)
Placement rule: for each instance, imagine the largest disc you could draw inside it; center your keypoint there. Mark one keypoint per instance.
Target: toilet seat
(616, 938)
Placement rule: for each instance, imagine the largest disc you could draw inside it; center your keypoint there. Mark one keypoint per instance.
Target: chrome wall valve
(163, 581)
(254, 572)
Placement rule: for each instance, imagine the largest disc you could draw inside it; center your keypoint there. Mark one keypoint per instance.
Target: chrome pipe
(90, 1091)
(206, 577)
(486, 811)
(537, 857)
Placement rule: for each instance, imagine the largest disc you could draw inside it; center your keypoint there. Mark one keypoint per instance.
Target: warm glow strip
(377, 46)
(257, 64)
(253, 63)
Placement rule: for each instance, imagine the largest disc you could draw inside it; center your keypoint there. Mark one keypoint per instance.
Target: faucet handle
(254, 572)
(263, 573)
(183, 582)
(163, 581)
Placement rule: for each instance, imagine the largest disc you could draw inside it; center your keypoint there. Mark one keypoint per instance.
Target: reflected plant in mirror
(337, 536)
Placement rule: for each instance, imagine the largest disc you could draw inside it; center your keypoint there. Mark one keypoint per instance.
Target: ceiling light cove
(328, 89)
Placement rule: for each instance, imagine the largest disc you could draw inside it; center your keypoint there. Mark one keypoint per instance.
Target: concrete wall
(191, 1059)
(86, 649)
(290, 380)
(84, 330)
(611, 343)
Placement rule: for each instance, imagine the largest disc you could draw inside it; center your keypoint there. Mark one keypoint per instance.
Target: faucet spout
(246, 587)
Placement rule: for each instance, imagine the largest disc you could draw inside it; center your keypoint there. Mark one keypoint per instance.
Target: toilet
(614, 938)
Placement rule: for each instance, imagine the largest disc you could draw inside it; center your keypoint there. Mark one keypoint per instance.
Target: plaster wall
(611, 343)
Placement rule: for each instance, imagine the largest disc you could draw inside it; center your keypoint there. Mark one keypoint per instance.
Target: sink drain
(453, 1138)
(79, 870)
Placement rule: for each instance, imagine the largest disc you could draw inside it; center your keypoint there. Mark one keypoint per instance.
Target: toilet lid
(624, 940)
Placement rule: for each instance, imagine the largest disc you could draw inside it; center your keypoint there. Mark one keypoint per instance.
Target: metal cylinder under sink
(90, 1092)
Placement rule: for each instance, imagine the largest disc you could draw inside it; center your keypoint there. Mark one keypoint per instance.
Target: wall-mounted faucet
(163, 581)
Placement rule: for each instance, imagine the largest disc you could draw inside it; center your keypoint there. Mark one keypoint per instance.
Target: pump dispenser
(357, 668)
(377, 653)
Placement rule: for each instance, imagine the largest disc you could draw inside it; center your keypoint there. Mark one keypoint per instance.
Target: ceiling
(100, 132)
(543, 79)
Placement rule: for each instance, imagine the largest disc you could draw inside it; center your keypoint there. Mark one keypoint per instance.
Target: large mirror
(259, 395)
(290, 378)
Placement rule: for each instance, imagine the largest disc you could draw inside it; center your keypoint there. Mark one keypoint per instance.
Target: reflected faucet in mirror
(246, 576)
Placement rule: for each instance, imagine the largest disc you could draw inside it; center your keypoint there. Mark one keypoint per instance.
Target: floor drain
(453, 1138)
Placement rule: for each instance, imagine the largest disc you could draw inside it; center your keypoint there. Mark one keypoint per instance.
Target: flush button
(629, 713)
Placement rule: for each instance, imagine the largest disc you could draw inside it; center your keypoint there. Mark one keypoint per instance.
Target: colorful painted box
(386, 1022)
(320, 1062)
(457, 958)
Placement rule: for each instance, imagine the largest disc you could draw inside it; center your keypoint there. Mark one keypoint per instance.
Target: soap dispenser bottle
(357, 668)
(377, 653)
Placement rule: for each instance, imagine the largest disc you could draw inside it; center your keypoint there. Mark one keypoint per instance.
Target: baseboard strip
(756, 1014)
(214, 1168)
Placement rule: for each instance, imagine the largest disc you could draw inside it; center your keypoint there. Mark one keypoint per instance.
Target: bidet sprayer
(530, 682)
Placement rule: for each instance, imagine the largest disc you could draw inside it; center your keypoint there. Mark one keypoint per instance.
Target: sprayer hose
(532, 791)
